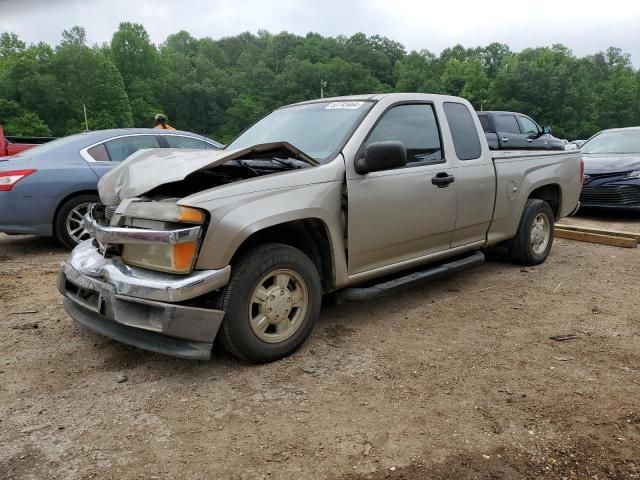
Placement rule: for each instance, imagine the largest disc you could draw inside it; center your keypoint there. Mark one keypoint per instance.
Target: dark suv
(515, 131)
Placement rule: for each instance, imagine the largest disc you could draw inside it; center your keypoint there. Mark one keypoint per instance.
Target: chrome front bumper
(138, 306)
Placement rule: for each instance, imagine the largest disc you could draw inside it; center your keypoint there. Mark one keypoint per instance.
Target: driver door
(400, 214)
(535, 139)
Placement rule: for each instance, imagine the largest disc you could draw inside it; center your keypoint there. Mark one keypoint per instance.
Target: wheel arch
(54, 220)
(552, 194)
(309, 235)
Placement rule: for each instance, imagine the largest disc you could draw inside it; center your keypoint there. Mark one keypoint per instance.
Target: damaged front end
(136, 280)
(149, 308)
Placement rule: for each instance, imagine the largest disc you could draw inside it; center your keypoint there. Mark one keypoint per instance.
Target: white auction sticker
(344, 106)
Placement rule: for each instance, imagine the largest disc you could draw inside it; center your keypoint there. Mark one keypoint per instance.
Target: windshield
(47, 147)
(620, 141)
(317, 129)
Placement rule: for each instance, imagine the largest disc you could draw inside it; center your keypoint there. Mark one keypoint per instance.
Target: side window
(528, 126)
(99, 153)
(484, 121)
(121, 148)
(463, 131)
(176, 141)
(416, 127)
(507, 124)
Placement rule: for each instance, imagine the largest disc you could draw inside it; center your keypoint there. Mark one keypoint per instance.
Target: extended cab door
(508, 131)
(401, 214)
(475, 176)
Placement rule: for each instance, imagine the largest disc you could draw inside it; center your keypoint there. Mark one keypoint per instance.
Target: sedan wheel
(68, 224)
(75, 223)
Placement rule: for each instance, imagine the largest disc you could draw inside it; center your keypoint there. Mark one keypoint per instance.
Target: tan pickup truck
(362, 195)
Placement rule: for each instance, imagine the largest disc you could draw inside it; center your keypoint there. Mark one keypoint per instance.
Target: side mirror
(546, 130)
(380, 156)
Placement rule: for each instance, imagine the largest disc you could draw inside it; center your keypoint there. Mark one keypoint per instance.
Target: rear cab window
(414, 125)
(507, 124)
(464, 132)
(484, 121)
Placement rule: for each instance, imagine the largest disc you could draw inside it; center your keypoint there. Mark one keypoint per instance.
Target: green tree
(27, 124)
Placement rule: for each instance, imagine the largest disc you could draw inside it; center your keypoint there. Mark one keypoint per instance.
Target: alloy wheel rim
(278, 305)
(540, 233)
(75, 223)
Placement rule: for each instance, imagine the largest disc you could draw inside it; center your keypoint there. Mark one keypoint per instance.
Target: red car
(12, 145)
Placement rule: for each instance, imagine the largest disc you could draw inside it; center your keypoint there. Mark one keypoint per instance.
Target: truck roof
(379, 96)
(501, 112)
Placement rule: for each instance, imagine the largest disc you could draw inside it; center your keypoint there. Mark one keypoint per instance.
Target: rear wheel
(271, 303)
(69, 228)
(534, 238)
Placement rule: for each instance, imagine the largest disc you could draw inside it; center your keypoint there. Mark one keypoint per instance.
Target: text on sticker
(344, 106)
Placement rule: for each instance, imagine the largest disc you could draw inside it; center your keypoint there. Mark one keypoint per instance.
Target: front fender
(234, 219)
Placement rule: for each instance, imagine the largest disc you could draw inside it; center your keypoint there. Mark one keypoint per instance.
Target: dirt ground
(454, 379)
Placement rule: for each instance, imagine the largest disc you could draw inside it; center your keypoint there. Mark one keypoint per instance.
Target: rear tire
(271, 303)
(67, 226)
(534, 237)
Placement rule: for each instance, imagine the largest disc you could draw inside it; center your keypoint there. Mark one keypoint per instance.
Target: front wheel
(534, 238)
(271, 303)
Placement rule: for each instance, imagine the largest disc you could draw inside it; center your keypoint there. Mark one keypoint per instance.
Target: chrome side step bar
(415, 278)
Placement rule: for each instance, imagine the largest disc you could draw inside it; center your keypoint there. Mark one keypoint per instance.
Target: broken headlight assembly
(178, 231)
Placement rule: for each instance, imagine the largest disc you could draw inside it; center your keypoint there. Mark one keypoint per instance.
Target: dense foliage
(218, 87)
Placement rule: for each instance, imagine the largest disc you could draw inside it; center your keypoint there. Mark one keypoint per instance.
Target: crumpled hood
(147, 169)
(610, 163)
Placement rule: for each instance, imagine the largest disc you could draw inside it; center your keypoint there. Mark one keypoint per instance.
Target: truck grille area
(618, 195)
(108, 214)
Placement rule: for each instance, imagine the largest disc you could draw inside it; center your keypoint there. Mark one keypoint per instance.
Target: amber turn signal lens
(183, 256)
(190, 215)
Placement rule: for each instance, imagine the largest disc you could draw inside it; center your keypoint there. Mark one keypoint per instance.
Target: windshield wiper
(287, 163)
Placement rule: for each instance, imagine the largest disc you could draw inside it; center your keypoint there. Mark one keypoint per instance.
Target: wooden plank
(626, 242)
(599, 231)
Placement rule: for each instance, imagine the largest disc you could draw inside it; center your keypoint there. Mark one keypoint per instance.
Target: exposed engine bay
(161, 173)
(232, 171)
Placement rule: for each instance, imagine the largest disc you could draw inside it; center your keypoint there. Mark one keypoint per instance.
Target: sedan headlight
(634, 174)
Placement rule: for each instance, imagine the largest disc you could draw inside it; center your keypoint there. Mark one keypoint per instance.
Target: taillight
(9, 179)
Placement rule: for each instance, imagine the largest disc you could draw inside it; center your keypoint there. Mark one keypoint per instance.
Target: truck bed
(522, 171)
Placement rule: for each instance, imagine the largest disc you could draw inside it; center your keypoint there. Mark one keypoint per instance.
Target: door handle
(529, 140)
(442, 179)
(505, 139)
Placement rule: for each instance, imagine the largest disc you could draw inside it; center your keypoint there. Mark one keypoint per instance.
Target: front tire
(271, 303)
(534, 237)
(68, 227)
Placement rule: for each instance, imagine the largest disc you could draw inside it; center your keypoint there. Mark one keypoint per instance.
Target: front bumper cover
(137, 306)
